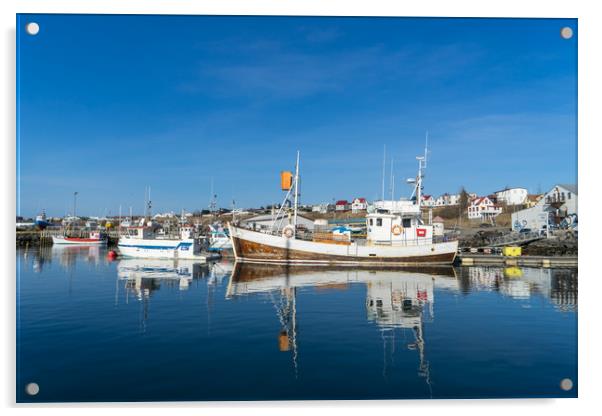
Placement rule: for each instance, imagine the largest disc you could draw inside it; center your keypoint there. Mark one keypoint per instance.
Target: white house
(322, 208)
(359, 204)
(447, 199)
(342, 205)
(484, 209)
(512, 196)
(427, 201)
(563, 197)
(555, 205)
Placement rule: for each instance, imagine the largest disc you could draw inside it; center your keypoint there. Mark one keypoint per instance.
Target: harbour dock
(478, 259)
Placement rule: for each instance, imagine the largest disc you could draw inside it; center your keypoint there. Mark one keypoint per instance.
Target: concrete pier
(474, 259)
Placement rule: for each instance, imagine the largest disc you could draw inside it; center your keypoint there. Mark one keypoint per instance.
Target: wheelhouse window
(371, 221)
(379, 222)
(406, 222)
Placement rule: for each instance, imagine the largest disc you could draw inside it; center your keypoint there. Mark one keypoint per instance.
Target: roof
(534, 197)
(361, 199)
(480, 199)
(269, 217)
(342, 202)
(426, 196)
(569, 187)
(508, 189)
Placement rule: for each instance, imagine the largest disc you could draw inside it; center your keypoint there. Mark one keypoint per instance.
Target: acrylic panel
(295, 208)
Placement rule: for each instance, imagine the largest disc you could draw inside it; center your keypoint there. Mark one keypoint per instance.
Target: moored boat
(95, 238)
(396, 236)
(218, 239)
(146, 241)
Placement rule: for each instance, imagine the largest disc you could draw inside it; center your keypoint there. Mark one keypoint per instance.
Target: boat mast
(384, 166)
(421, 166)
(392, 182)
(296, 192)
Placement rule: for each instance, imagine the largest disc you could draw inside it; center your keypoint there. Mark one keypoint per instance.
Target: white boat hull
(254, 247)
(78, 241)
(159, 249)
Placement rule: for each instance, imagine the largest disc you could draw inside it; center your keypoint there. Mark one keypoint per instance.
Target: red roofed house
(483, 208)
(359, 204)
(342, 205)
(427, 201)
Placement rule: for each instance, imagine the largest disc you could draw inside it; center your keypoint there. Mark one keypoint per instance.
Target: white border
(590, 72)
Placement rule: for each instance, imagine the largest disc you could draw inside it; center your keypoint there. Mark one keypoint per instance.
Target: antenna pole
(296, 191)
(426, 146)
(384, 165)
(391, 181)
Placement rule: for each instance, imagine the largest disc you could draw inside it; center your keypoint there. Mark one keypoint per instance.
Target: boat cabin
(139, 232)
(397, 223)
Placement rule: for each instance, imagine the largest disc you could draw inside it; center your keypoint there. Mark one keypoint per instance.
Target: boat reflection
(397, 300)
(144, 276)
(67, 256)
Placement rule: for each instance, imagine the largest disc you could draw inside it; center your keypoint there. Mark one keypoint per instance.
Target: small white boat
(219, 240)
(145, 241)
(94, 239)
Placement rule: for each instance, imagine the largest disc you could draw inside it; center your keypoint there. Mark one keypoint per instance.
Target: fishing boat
(148, 241)
(94, 238)
(395, 236)
(219, 240)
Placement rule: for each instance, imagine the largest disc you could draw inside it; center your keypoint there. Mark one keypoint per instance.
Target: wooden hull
(253, 247)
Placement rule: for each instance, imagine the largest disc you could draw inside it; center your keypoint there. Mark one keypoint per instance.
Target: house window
(379, 222)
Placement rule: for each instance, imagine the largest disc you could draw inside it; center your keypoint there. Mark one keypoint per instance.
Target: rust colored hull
(253, 252)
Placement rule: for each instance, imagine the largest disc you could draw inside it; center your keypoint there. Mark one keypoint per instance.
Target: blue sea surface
(92, 329)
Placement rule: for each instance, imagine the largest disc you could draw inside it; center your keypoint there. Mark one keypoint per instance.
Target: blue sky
(110, 104)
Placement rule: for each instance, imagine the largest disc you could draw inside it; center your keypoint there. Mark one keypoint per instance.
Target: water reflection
(144, 276)
(67, 256)
(396, 300)
(558, 285)
(350, 322)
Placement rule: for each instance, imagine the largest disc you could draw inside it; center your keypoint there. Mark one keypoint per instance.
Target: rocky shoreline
(562, 243)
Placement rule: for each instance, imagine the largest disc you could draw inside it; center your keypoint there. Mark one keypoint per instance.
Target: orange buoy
(111, 255)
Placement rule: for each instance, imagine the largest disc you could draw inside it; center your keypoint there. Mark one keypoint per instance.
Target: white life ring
(288, 231)
(396, 229)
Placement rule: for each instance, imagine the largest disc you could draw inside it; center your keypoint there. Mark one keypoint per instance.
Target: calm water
(132, 330)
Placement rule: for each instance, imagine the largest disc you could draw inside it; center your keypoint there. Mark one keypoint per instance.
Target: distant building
(447, 199)
(512, 196)
(533, 199)
(551, 209)
(563, 197)
(342, 205)
(427, 201)
(359, 204)
(484, 209)
(322, 208)
(264, 222)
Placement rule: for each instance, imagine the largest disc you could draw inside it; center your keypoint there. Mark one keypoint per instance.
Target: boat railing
(360, 239)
